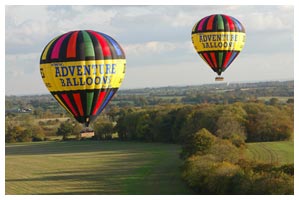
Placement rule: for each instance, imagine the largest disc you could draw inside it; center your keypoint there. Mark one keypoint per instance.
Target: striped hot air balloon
(83, 70)
(218, 39)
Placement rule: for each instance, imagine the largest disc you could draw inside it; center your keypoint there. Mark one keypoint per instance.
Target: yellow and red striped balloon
(218, 39)
(83, 70)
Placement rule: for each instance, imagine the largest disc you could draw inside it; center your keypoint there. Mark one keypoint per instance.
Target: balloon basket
(87, 132)
(219, 78)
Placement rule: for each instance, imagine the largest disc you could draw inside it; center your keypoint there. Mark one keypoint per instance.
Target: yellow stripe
(44, 56)
(82, 75)
(203, 59)
(193, 29)
(218, 41)
(61, 103)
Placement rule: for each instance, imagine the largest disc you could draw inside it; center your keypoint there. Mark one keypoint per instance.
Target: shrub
(199, 143)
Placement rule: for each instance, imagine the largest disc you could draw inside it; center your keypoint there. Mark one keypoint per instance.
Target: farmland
(213, 124)
(272, 152)
(92, 167)
(109, 167)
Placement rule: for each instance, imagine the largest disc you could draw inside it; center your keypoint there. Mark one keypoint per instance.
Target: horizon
(171, 86)
(156, 40)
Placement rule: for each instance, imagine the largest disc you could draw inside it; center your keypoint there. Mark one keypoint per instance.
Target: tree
(38, 133)
(77, 130)
(274, 101)
(231, 124)
(25, 135)
(11, 132)
(198, 144)
(104, 130)
(270, 124)
(290, 101)
(224, 150)
(121, 127)
(203, 116)
(65, 130)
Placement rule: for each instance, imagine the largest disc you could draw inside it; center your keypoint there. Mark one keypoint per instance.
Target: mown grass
(92, 167)
(272, 152)
(280, 99)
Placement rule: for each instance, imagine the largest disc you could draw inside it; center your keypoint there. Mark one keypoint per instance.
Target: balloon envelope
(218, 39)
(83, 70)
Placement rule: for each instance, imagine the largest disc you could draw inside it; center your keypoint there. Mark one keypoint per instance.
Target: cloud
(156, 39)
(20, 64)
(269, 22)
(274, 66)
(150, 53)
(34, 26)
(175, 74)
(149, 48)
(85, 17)
(266, 18)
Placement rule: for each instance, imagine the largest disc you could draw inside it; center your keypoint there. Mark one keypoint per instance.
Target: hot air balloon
(83, 70)
(218, 39)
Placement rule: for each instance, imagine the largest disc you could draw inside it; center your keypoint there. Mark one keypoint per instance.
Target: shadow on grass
(79, 182)
(60, 147)
(110, 167)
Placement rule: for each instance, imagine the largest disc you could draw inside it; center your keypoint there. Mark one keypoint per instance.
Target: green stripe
(89, 51)
(220, 22)
(89, 99)
(220, 59)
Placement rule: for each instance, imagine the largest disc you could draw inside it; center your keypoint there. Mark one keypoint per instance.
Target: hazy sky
(156, 40)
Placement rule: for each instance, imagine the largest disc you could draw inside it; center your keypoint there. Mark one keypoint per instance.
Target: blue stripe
(114, 43)
(238, 24)
(105, 102)
(232, 58)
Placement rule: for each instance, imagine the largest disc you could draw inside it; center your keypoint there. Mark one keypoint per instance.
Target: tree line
(215, 166)
(173, 123)
(238, 122)
(212, 136)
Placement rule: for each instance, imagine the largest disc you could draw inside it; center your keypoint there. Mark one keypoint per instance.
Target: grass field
(92, 167)
(273, 152)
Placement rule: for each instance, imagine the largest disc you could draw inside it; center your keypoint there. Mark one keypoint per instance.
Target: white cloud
(177, 74)
(274, 66)
(21, 14)
(20, 64)
(180, 19)
(27, 26)
(156, 38)
(269, 22)
(149, 47)
(83, 18)
(26, 33)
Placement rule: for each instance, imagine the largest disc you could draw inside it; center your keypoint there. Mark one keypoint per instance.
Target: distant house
(24, 110)
(19, 110)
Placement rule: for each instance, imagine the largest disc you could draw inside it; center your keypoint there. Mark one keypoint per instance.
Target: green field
(92, 167)
(110, 167)
(272, 152)
(280, 99)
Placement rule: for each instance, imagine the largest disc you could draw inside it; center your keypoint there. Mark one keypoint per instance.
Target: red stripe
(208, 60)
(212, 54)
(201, 22)
(78, 102)
(71, 47)
(230, 23)
(210, 23)
(227, 57)
(57, 46)
(104, 45)
(69, 104)
(99, 102)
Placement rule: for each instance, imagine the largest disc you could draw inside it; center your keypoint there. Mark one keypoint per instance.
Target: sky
(156, 40)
